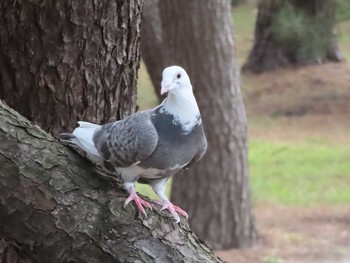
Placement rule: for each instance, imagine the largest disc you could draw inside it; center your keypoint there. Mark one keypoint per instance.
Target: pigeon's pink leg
(159, 188)
(173, 209)
(140, 203)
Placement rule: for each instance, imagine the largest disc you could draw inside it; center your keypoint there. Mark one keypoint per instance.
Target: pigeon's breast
(175, 147)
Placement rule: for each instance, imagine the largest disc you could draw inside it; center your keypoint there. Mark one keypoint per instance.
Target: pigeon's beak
(164, 90)
(165, 87)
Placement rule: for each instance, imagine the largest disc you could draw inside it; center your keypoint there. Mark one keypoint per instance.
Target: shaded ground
(316, 90)
(294, 105)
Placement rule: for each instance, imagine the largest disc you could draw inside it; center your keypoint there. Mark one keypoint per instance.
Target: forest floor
(289, 234)
(302, 106)
(299, 121)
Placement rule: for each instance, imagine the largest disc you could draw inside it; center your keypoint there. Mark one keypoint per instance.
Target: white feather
(183, 106)
(83, 135)
(180, 101)
(85, 124)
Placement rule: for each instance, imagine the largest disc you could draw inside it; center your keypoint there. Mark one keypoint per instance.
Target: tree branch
(55, 207)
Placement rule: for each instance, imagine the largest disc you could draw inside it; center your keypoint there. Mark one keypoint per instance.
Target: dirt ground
(313, 90)
(309, 101)
(297, 235)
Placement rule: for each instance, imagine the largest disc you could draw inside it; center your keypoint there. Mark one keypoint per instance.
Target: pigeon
(149, 146)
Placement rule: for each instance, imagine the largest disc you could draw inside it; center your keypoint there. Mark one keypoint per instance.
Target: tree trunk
(63, 61)
(198, 36)
(293, 32)
(238, 2)
(54, 207)
(153, 53)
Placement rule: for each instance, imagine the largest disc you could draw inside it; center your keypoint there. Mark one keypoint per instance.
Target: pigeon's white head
(174, 79)
(180, 101)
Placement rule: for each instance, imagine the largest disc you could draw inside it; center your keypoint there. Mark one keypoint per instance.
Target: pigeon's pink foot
(140, 203)
(173, 209)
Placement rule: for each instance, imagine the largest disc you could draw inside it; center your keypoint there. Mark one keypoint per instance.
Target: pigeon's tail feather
(88, 125)
(81, 138)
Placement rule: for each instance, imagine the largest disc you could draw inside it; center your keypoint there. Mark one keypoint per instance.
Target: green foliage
(342, 10)
(343, 33)
(303, 36)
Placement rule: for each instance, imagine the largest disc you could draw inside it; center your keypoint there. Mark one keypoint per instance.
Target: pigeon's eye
(178, 75)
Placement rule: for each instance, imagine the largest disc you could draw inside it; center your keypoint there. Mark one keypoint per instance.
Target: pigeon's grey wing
(200, 153)
(127, 141)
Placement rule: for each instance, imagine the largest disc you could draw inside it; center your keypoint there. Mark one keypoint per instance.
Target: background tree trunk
(153, 53)
(54, 207)
(198, 36)
(238, 2)
(63, 61)
(293, 32)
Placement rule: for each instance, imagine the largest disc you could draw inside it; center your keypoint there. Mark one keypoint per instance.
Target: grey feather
(152, 143)
(127, 141)
(175, 148)
(201, 151)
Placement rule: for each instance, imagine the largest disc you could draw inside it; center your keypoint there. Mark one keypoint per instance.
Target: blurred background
(274, 185)
(296, 93)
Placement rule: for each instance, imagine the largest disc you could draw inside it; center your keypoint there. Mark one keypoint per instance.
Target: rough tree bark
(71, 59)
(198, 35)
(54, 207)
(309, 41)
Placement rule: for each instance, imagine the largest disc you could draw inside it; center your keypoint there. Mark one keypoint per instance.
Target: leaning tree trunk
(54, 207)
(293, 32)
(63, 61)
(198, 36)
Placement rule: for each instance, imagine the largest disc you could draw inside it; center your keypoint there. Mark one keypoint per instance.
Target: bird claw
(140, 203)
(173, 209)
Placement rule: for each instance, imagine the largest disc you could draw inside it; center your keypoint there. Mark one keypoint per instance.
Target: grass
(244, 17)
(146, 97)
(343, 32)
(147, 190)
(308, 171)
(271, 259)
(305, 173)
